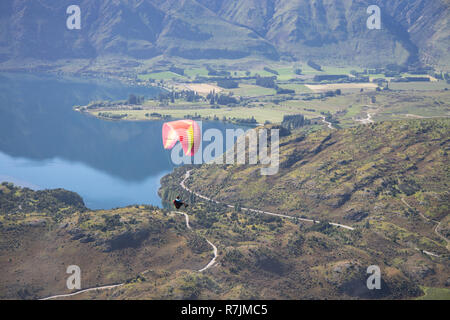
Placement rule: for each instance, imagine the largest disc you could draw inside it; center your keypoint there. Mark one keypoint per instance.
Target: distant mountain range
(324, 30)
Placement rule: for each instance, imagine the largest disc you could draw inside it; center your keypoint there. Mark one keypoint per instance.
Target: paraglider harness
(178, 203)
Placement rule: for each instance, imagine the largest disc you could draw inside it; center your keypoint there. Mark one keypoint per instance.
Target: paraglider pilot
(178, 203)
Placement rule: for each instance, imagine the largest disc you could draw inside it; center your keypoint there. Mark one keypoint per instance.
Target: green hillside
(388, 181)
(43, 232)
(331, 174)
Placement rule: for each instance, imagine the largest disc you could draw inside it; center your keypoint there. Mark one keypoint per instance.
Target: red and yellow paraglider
(185, 131)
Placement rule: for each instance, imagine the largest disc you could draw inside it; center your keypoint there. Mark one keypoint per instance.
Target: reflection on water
(44, 144)
(99, 189)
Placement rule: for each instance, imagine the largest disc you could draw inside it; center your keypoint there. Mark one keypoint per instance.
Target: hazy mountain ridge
(323, 29)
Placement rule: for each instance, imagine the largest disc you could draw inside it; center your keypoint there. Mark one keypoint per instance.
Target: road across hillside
(182, 184)
(438, 223)
(82, 291)
(108, 287)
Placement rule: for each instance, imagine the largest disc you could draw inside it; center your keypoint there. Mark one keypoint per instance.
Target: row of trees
(188, 95)
(215, 98)
(266, 82)
(294, 121)
(228, 84)
(133, 99)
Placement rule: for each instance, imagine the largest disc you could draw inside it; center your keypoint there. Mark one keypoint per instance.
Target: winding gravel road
(112, 286)
(84, 290)
(213, 260)
(328, 123)
(182, 184)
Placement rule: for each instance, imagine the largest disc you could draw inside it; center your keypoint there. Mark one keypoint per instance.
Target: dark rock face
(269, 261)
(37, 223)
(420, 272)
(127, 239)
(77, 236)
(357, 287)
(356, 215)
(87, 239)
(353, 282)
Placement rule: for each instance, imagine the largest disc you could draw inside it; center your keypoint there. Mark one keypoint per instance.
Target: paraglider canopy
(185, 131)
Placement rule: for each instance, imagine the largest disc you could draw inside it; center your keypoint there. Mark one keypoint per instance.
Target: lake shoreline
(127, 108)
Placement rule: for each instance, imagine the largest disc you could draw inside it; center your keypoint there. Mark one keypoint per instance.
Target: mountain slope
(354, 176)
(387, 180)
(325, 30)
(44, 232)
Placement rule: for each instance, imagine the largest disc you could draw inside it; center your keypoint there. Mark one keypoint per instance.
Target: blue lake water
(45, 144)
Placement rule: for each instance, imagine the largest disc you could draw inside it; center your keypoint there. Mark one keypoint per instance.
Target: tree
(293, 121)
(314, 65)
(267, 82)
(227, 84)
(224, 99)
(132, 99)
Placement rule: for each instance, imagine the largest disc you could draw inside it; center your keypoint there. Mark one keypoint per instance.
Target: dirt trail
(82, 291)
(213, 260)
(367, 120)
(328, 123)
(108, 287)
(436, 229)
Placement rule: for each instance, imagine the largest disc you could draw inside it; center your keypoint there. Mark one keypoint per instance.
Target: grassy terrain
(388, 105)
(299, 88)
(166, 75)
(402, 101)
(420, 86)
(43, 232)
(260, 114)
(339, 175)
(250, 90)
(364, 170)
(435, 294)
